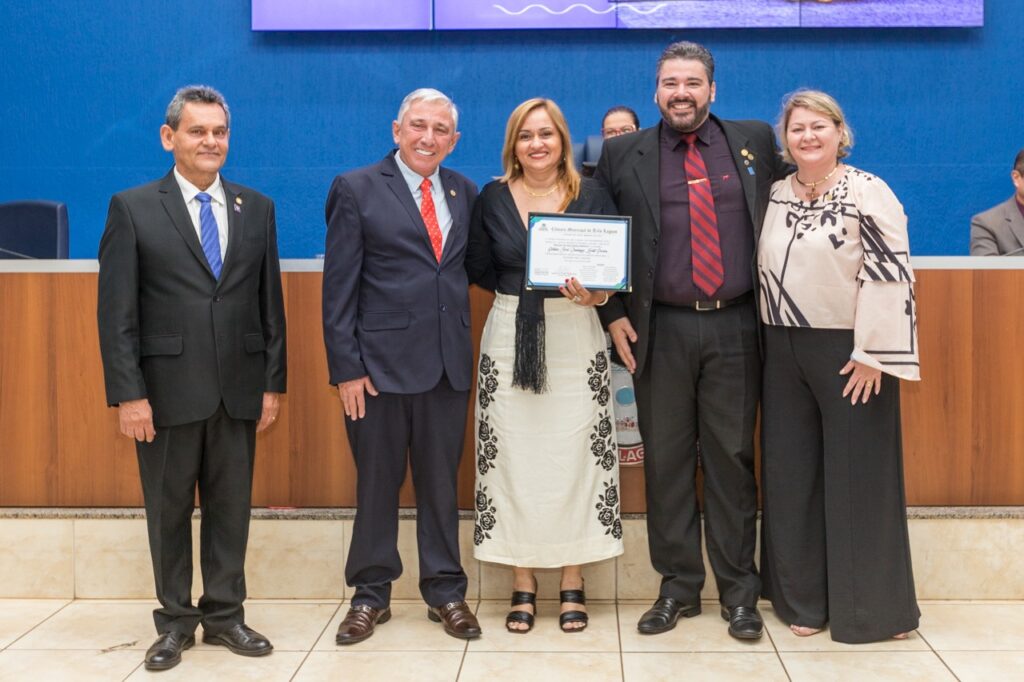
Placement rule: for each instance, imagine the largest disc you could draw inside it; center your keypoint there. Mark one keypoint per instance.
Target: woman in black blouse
(547, 492)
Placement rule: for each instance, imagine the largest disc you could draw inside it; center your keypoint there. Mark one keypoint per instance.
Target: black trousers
(834, 530)
(702, 380)
(217, 455)
(426, 431)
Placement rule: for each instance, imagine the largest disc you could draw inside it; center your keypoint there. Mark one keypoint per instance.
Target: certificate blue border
(624, 285)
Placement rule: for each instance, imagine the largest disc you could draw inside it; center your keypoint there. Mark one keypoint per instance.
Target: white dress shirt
(218, 204)
(414, 180)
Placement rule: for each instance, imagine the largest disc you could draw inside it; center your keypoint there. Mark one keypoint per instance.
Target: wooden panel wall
(59, 445)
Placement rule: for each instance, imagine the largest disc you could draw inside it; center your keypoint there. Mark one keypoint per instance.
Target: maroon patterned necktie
(708, 274)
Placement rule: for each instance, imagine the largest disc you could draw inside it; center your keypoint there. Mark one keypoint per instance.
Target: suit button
(647, 304)
(216, 299)
(444, 308)
(654, 241)
(650, 273)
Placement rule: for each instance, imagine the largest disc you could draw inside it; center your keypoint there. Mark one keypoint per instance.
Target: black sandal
(573, 597)
(518, 599)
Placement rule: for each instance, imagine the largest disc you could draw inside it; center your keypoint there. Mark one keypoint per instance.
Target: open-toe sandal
(514, 617)
(570, 617)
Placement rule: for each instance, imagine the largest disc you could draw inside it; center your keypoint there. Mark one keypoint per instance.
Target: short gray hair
(684, 49)
(428, 95)
(194, 93)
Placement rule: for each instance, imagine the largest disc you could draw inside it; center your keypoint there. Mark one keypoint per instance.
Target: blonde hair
(568, 176)
(820, 103)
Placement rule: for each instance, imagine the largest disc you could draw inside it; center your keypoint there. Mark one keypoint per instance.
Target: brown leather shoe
(359, 623)
(458, 620)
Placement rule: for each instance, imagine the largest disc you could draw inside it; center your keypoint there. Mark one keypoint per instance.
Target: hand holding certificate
(593, 249)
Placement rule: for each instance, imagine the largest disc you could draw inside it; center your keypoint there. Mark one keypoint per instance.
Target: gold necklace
(812, 194)
(541, 194)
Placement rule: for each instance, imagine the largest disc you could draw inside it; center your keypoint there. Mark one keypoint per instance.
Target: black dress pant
(217, 455)
(834, 530)
(425, 431)
(702, 380)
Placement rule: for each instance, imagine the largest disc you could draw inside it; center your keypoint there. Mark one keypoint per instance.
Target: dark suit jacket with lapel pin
(170, 331)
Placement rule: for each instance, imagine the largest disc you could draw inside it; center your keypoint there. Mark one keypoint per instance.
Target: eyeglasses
(615, 132)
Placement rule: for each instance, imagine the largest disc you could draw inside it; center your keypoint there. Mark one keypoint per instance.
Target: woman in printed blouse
(837, 301)
(547, 481)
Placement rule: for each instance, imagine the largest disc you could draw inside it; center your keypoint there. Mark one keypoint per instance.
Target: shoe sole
(212, 639)
(169, 664)
(457, 635)
(384, 617)
(688, 613)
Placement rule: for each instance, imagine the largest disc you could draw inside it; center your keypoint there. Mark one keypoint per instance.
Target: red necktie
(708, 274)
(430, 218)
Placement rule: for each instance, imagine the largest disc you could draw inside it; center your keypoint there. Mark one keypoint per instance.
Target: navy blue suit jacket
(390, 310)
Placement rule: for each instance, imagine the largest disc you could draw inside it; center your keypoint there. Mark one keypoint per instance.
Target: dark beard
(700, 114)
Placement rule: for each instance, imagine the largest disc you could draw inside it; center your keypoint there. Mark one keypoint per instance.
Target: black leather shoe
(457, 618)
(744, 621)
(241, 640)
(663, 615)
(166, 650)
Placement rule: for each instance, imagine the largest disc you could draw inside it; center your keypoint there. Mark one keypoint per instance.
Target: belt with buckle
(707, 306)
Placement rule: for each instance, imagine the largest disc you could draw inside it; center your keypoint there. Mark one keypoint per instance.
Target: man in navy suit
(396, 327)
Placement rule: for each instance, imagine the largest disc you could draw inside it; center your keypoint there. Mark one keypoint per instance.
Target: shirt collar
(414, 179)
(672, 138)
(189, 191)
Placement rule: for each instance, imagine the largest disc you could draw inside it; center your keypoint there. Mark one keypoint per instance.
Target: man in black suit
(697, 189)
(396, 327)
(192, 333)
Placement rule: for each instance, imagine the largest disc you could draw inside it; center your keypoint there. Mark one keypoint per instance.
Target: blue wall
(84, 85)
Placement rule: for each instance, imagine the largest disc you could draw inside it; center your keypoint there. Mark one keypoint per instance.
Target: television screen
(362, 15)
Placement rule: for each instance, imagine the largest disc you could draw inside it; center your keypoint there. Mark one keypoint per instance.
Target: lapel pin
(238, 204)
(452, 192)
(750, 169)
(238, 209)
(744, 152)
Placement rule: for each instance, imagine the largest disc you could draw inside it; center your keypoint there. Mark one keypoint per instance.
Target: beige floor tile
(18, 616)
(419, 666)
(289, 627)
(408, 630)
(785, 640)
(496, 581)
(69, 666)
(601, 635)
(866, 666)
(112, 559)
(223, 666)
(541, 667)
(985, 666)
(95, 625)
(973, 627)
(694, 667)
(704, 633)
(295, 559)
(37, 558)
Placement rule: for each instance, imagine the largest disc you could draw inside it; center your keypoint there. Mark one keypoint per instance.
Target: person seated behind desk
(619, 120)
(999, 231)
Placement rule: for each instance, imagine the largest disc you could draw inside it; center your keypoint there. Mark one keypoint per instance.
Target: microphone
(15, 254)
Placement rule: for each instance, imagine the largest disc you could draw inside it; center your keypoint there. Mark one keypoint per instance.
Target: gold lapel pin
(238, 200)
(744, 152)
(452, 192)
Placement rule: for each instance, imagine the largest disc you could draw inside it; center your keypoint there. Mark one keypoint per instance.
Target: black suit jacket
(172, 333)
(390, 310)
(629, 168)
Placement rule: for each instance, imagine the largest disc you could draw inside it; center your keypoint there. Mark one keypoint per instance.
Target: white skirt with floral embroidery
(547, 469)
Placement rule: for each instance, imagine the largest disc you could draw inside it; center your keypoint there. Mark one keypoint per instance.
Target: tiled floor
(42, 640)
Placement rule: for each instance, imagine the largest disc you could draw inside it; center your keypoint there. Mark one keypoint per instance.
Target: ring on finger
(577, 298)
(869, 383)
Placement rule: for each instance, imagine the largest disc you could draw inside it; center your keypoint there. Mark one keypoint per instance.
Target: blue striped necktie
(210, 235)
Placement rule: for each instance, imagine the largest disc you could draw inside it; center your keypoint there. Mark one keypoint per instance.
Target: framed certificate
(592, 248)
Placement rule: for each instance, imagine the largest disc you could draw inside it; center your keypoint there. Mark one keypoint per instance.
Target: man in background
(999, 231)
